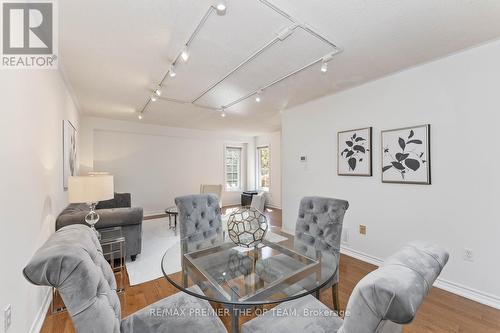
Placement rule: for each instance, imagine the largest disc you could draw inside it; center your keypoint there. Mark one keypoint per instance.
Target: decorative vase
(247, 227)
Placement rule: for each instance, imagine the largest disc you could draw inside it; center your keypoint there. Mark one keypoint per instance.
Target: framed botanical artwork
(406, 155)
(354, 150)
(69, 152)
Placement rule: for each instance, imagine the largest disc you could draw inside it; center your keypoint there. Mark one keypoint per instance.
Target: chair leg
(335, 297)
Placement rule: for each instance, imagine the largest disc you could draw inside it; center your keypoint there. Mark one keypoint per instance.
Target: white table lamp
(90, 190)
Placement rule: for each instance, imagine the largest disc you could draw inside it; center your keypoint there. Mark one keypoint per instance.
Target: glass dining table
(241, 278)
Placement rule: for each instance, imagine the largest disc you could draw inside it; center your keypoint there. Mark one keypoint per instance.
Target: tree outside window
(263, 168)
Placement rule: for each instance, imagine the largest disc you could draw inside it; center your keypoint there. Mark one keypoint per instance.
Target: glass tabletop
(270, 273)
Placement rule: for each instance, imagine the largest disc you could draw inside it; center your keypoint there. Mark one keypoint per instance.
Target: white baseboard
(153, 213)
(236, 203)
(40, 316)
(452, 287)
(469, 293)
(360, 255)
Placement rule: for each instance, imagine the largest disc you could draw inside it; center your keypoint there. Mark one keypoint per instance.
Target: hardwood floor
(441, 311)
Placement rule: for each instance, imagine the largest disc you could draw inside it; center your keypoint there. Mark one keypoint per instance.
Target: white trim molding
(40, 316)
(469, 293)
(452, 287)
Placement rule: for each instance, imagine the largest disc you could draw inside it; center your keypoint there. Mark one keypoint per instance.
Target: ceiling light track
(184, 53)
(173, 100)
(282, 35)
(220, 7)
(258, 91)
(231, 72)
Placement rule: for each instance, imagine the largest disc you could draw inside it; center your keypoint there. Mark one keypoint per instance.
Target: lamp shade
(88, 189)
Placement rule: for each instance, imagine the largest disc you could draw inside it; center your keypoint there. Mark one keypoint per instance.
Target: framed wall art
(354, 150)
(406, 155)
(69, 152)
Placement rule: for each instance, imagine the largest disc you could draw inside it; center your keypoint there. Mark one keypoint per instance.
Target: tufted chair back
(319, 227)
(199, 221)
(394, 292)
(71, 261)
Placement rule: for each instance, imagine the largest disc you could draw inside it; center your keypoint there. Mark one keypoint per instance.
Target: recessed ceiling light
(185, 53)
(324, 67)
(221, 7)
(171, 71)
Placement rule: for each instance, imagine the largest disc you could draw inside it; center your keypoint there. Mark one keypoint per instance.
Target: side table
(172, 211)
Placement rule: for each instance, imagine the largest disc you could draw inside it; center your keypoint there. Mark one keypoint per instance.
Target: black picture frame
(406, 155)
(354, 152)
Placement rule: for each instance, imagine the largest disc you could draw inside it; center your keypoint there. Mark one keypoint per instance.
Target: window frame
(257, 166)
(239, 171)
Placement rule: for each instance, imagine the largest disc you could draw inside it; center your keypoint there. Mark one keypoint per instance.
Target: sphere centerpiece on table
(247, 227)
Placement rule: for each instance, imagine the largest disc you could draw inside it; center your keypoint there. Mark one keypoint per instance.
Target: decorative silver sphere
(247, 227)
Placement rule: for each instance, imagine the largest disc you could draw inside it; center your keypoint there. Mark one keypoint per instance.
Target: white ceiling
(114, 52)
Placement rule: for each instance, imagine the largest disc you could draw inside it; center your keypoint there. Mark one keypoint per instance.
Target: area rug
(159, 240)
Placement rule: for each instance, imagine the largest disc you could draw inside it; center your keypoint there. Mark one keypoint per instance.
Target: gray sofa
(112, 213)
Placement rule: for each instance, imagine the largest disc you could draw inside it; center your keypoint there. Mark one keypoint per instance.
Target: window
(263, 168)
(233, 168)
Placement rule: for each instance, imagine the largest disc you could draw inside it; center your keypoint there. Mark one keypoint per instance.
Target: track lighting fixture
(222, 111)
(325, 60)
(324, 67)
(221, 7)
(257, 96)
(185, 53)
(171, 71)
(157, 91)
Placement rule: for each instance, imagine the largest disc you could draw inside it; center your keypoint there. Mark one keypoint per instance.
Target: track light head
(185, 53)
(258, 96)
(140, 116)
(154, 98)
(157, 91)
(324, 67)
(171, 71)
(221, 7)
(222, 111)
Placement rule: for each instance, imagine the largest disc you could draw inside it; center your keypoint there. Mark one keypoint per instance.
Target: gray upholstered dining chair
(200, 224)
(317, 234)
(71, 260)
(319, 228)
(381, 302)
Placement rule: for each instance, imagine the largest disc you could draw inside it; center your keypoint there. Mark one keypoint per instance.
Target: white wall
(273, 140)
(459, 96)
(33, 105)
(157, 163)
